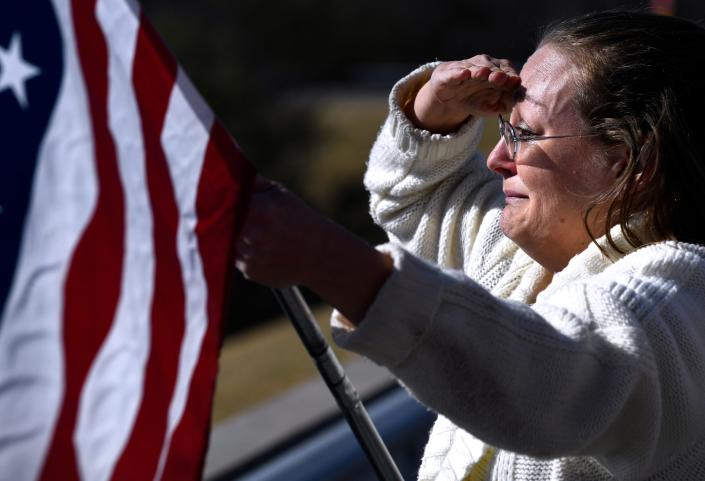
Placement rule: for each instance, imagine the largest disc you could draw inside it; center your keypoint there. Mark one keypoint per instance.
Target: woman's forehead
(548, 86)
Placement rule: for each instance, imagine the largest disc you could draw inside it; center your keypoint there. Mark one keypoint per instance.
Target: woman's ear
(619, 159)
(646, 161)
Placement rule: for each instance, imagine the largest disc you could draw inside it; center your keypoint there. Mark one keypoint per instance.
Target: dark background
(245, 56)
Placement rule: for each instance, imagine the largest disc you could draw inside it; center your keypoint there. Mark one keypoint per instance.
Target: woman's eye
(524, 132)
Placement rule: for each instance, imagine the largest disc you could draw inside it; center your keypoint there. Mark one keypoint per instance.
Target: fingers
(496, 77)
(501, 80)
(494, 101)
(451, 75)
(277, 245)
(253, 243)
(494, 64)
(476, 71)
(507, 67)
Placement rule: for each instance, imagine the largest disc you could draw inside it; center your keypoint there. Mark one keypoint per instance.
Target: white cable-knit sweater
(595, 373)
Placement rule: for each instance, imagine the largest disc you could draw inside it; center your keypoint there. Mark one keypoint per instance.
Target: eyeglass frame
(516, 139)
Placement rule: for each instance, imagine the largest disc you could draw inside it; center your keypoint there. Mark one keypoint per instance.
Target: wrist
(430, 113)
(347, 272)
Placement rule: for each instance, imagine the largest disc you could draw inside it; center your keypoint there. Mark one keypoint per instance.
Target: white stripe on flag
(113, 390)
(184, 139)
(63, 199)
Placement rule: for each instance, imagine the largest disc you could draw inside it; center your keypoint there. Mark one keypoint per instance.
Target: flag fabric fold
(120, 195)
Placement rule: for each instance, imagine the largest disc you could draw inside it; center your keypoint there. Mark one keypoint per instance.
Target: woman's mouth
(514, 196)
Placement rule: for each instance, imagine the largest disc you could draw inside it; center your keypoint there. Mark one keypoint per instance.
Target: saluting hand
(456, 91)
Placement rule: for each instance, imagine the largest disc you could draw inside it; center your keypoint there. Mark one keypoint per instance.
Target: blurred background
(303, 85)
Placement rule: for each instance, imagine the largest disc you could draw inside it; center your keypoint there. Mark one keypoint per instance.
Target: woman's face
(550, 183)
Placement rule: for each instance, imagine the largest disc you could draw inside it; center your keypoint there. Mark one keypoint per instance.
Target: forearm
(431, 193)
(424, 186)
(409, 159)
(348, 273)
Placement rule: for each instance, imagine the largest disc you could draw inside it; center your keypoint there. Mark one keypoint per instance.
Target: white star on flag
(14, 71)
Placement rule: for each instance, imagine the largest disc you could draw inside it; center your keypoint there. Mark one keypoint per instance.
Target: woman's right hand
(284, 242)
(456, 91)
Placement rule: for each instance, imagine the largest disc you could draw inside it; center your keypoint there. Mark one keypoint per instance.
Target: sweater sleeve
(574, 374)
(433, 193)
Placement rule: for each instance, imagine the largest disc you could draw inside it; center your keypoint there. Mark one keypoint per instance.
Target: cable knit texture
(595, 373)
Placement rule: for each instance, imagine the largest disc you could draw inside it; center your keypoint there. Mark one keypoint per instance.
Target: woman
(563, 335)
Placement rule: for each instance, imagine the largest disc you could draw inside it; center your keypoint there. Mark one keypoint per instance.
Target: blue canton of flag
(30, 72)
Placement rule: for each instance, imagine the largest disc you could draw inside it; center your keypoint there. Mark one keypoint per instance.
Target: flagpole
(340, 386)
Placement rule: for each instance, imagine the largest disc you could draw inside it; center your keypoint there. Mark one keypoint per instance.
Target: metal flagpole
(340, 386)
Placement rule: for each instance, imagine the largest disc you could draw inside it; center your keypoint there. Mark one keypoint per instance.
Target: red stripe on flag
(93, 281)
(153, 79)
(221, 203)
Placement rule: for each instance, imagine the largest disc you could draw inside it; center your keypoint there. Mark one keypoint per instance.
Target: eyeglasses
(508, 133)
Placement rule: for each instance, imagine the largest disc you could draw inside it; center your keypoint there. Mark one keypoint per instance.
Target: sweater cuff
(421, 144)
(401, 314)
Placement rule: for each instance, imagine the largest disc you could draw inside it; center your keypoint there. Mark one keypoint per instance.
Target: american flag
(119, 198)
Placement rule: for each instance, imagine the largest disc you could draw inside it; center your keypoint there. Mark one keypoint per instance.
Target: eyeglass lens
(507, 134)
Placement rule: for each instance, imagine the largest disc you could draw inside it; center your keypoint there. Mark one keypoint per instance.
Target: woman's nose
(500, 161)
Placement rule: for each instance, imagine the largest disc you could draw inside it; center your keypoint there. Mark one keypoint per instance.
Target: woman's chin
(511, 221)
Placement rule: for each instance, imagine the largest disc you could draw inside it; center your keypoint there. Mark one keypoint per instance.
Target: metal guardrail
(256, 433)
(333, 454)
